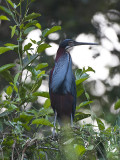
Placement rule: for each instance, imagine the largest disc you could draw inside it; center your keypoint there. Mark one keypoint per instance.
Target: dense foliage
(26, 125)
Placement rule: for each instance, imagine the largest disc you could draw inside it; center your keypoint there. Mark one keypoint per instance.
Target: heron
(62, 86)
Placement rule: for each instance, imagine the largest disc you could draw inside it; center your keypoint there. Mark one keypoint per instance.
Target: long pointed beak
(84, 43)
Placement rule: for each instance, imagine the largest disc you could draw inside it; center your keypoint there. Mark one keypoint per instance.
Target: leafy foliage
(26, 131)
(117, 104)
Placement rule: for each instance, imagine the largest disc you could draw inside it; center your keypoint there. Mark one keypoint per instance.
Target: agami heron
(62, 87)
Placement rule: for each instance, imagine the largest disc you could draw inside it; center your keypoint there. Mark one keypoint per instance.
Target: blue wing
(59, 72)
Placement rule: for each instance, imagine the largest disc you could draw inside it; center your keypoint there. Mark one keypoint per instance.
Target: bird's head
(68, 43)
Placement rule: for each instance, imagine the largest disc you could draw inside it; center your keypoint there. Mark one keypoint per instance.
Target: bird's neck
(60, 52)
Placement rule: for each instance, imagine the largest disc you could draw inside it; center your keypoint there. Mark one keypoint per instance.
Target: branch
(50, 148)
(13, 147)
(28, 143)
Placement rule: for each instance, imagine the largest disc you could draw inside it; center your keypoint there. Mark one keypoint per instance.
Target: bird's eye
(70, 43)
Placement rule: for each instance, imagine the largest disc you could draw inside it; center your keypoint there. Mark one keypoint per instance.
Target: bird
(62, 86)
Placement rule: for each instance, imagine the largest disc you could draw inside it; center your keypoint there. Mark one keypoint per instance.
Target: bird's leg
(55, 119)
(54, 124)
(71, 120)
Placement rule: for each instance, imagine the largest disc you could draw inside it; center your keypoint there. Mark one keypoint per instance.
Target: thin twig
(13, 148)
(28, 143)
(50, 148)
(12, 13)
(46, 156)
(23, 153)
(2, 155)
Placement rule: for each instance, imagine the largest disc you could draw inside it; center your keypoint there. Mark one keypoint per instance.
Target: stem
(26, 8)
(23, 153)
(2, 154)
(13, 147)
(26, 77)
(15, 19)
(20, 58)
(88, 100)
(20, 44)
(20, 18)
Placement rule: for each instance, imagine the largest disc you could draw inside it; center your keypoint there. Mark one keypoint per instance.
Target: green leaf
(16, 78)
(79, 89)
(22, 93)
(12, 107)
(26, 126)
(42, 121)
(42, 73)
(29, 29)
(38, 25)
(91, 147)
(117, 105)
(88, 70)
(25, 117)
(40, 66)
(84, 104)
(69, 141)
(42, 47)
(5, 113)
(15, 88)
(30, 24)
(12, 4)
(37, 85)
(6, 74)
(19, 4)
(32, 16)
(78, 73)
(39, 42)
(118, 120)
(79, 149)
(35, 74)
(33, 71)
(27, 61)
(82, 78)
(6, 67)
(9, 47)
(79, 116)
(108, 130)
(48, 31)
(4, 49)
(45, 111)
(47, 103)
(42, 154)
(27, 46)
(6, 10)
(9, 90)
(100, 124)
(21, 26)
(33, 41)
(87, 96)
(13, 28)
(2, 17)
(42, 94)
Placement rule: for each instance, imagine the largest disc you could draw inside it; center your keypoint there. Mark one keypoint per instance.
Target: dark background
(75, 17)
